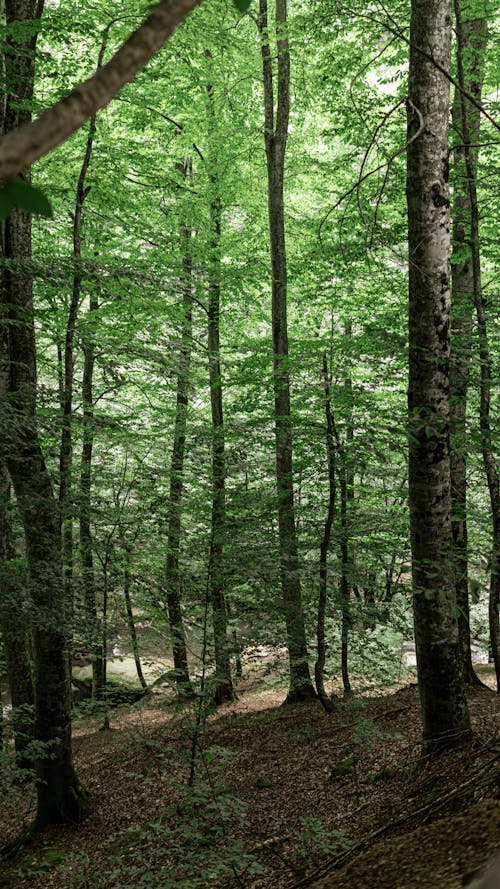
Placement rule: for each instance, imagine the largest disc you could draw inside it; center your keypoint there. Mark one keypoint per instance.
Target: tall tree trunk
(66, 449)
(60, 797)
(444, 707)
(130, 615)
(14, 618)
(172, 578)
(85, 505)
(224, 685)
(346, 478)
(490, 466)
(15, 626)
(474, 36)
(275, 138)
(85, 501)
(345, 578)
(325, 544)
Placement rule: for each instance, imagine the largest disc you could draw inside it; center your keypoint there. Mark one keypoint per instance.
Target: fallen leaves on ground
(292, 789)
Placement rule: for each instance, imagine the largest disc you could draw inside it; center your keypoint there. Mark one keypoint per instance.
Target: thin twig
(383, 166)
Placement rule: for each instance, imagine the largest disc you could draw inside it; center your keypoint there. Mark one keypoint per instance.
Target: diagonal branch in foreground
(22, 147)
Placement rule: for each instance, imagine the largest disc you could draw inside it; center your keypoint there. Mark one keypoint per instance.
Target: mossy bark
(60, 796)
(444, 707)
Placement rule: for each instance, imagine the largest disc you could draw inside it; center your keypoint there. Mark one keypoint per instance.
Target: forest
(249, 444)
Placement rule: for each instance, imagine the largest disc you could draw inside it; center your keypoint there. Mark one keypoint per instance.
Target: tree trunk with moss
(60, 797)
(485, 361)
(15, 628)
(444, 707)
(474, 37)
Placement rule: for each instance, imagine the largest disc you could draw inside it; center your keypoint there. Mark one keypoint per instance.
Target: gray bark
(21, 148)
(15, 627)
(59, 795)
(130, 615)
(85, 498)
(275, 138)
(444, 707)
(224, 685)
(325, 544)
(474, 36)
(486, 369)
(172, 578)
(85, 504)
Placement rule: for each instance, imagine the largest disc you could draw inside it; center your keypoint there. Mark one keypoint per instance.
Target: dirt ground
(281, 797)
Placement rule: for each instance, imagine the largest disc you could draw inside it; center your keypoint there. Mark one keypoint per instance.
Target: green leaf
(6, 204)
(16, 193)
(242, 5)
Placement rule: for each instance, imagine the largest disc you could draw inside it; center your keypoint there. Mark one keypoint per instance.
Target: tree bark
(85, 505)
(172, 578)
(346, 477)
(325, 544)
(224, 686)
(66, 449)
(474, 37)
(60, 796)
(130, 616)
(22, 147)
(444, 707)
(275, 138)
(488, 453)
(15, 627)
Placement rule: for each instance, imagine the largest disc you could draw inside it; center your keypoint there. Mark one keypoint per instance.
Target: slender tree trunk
(346, 473)
(325, 544)
(345, 579)
(66, 450)
(474, 36)
(490, 466)
(172, 579)
(85, 499)
(60, 796)
(130, 617)
(224, 685)
(15, 626)
(104, 625)
(85, 505)
(444, 707)
(275, 138)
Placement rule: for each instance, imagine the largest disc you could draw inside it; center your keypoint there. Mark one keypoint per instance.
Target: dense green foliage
(347, 296)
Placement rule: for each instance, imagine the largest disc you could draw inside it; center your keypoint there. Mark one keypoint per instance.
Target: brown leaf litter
(332, 801)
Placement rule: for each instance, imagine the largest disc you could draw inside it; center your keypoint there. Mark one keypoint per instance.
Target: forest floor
(281, 797)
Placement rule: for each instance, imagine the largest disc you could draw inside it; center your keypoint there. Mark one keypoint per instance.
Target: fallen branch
(367, 842)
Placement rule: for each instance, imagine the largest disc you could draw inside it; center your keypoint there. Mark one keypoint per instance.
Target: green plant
(313, 837)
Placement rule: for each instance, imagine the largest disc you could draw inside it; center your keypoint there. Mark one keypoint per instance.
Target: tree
(224, 685)
(325, 542)
(485, 425)
(275, 138)
(172, 578)
(472, 47)
(444, 708)
(14, 626)
(60, 797)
